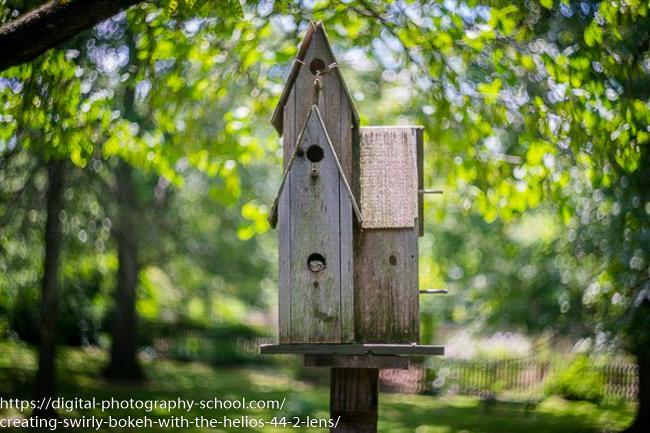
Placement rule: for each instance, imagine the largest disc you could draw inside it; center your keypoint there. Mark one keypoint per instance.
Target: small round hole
(316, 262)
(315, 153)
(317, 66)
(393, 260)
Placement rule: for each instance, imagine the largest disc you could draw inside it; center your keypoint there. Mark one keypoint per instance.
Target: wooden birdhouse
(348, 273)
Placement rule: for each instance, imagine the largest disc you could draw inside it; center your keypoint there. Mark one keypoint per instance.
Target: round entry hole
(315, 153)
(393, 260)
(316, 262)
(317, 66)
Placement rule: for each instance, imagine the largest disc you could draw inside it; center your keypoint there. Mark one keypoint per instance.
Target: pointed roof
(314, 113)
(315, 28)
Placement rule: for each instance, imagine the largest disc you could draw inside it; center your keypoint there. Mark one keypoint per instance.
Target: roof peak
(314, 30)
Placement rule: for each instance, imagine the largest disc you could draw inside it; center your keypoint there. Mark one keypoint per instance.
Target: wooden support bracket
(357, 361)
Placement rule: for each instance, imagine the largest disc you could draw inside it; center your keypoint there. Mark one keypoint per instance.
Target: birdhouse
(315, 209)
(348, 214)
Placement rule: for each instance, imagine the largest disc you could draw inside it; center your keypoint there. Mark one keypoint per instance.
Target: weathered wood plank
(420, 157)
(284, 229)
(389, 177)
(357, 361)
(403, 349)
(315, 296)
(284, 260)
(386, 286)
(290, 134)
(354, 396)
(346, 261)
(346, 131)
(352, 349)
(314, 349)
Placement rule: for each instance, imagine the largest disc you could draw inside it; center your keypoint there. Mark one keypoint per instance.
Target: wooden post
(354, 398)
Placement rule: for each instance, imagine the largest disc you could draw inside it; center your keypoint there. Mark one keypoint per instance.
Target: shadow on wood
(353, 399)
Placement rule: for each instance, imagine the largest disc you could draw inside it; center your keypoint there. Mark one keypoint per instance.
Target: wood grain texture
(317, 218)
(298, 64)
(346, 230)
(315, 297)
(284, 232)
(389, 177)
(420, 165)
(334, 103)
(354, 396)
(357, 361)
(386, 286)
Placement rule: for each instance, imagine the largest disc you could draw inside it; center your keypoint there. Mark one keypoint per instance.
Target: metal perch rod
(434, 292)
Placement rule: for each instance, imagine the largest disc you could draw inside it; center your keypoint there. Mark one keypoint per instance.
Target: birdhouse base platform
(352, 349)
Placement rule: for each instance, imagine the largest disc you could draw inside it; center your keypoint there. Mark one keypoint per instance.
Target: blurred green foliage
(536, 120)
(578, 381)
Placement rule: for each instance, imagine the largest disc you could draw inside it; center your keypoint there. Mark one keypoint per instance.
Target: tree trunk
(54, 22)
(46, 375)
(124, 365)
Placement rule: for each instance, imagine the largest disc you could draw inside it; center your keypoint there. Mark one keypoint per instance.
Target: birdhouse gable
(316, 58)
(313, 146)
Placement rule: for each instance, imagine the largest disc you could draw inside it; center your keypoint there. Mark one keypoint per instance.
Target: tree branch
(50, 24)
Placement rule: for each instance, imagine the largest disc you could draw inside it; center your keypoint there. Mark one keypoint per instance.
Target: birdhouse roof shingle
(314, 115)
(315, 30)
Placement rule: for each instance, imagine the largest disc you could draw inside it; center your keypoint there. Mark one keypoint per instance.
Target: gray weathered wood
(297, 66)
(386, 251)
(354, 396)
(290, 130)
(386, 286)
(315, 297)
(317, 202)
(389, 177)
(351, 349)
(420, 164)
(284, 241)
(357, 361)
(346, 233)
(284, 233)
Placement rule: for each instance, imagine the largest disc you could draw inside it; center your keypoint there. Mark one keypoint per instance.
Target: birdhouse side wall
(386, 286)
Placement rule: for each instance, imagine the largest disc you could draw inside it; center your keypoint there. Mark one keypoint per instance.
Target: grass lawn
(397, 413)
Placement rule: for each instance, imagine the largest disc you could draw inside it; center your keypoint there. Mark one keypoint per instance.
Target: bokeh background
(138, 165)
